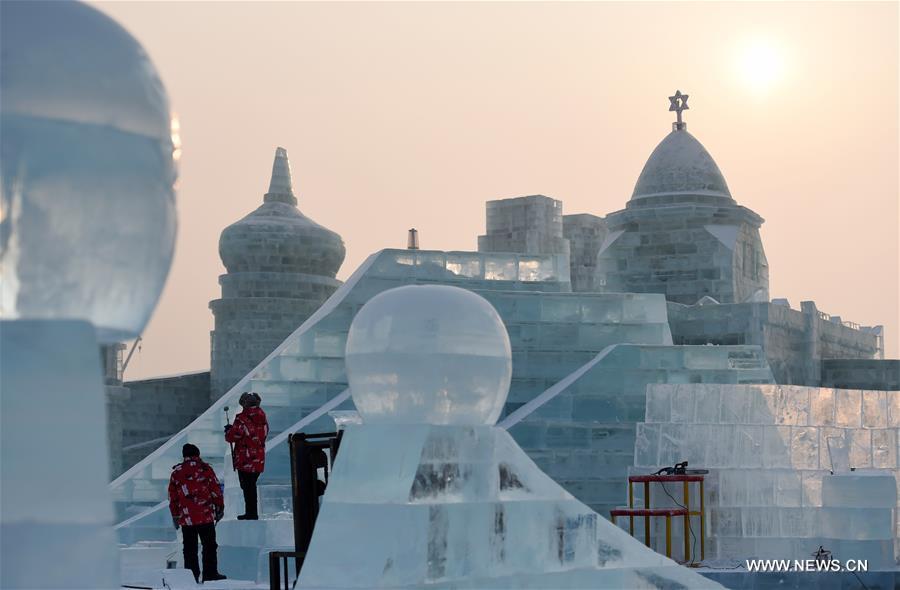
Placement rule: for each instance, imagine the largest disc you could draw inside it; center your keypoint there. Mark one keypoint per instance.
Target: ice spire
(281, 187)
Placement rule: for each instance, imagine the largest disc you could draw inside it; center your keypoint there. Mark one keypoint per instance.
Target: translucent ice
(54, 498)
(428, 354)
(426, 492)
(88, 167)
(863, 489)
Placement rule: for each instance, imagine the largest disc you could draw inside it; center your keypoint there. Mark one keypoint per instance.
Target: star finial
(678, 103)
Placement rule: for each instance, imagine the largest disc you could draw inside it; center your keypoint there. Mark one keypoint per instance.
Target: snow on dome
(428, 354)
(680, 165)
(277, 237)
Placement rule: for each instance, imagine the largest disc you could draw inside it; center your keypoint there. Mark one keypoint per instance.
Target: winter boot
(213, 577)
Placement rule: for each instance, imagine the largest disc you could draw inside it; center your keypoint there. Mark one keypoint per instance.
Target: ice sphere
(428, 354)
(88, 167)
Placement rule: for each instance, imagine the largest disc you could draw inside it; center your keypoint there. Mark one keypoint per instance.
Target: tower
(280, 268)
(682, 234)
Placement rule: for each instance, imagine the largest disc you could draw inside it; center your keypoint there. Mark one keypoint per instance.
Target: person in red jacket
(248, 434)
(196, 503)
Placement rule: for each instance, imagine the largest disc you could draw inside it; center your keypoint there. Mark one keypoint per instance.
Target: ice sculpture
(771, 450)
(88, 166)
(427, 492)
(402, 338)
(87, 227)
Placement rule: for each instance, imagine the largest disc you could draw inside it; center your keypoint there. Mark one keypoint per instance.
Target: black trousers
(247, 480)
(207, 535)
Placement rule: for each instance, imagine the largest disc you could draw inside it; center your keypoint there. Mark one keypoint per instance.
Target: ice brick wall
(584, 437)
(527, 225)
(767, 450)
(585, 233)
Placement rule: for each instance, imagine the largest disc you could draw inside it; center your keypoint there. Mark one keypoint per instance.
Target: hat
(190, 450)
(249, 399)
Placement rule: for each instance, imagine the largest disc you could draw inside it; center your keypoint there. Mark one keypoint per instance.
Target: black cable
(734, 567)
(690, 526)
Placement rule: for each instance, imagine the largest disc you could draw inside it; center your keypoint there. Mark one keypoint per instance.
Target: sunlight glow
(760, 64)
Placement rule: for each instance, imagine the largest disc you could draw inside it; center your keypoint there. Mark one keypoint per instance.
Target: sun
(760, 64)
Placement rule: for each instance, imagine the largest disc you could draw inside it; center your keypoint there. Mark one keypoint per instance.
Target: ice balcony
(587, 428)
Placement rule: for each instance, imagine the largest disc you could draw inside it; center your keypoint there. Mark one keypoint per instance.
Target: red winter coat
(195, 496)
(248, 433)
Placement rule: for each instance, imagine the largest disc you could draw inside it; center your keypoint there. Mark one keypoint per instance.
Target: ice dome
(680, 165)
(277, 237)
(428, 354)
(88, 169)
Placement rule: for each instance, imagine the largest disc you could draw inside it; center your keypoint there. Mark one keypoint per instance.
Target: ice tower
(281, 267)
(682, 234)
(427, 491)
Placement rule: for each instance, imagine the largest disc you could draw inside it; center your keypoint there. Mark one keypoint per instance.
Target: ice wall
(767, 449)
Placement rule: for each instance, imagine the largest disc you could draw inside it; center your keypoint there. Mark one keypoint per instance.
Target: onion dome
(277, 237)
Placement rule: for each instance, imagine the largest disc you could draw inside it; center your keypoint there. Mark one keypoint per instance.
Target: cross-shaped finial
(678, 103)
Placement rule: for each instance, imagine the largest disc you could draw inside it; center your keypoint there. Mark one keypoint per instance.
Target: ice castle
(668, 349)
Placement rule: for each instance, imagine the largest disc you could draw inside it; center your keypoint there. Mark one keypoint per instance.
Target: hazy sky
(415, 114)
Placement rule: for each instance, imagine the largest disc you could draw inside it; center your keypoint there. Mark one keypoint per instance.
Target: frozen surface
(770, 452)
(88, 167)
(430, 354)
(463, 506)
(413, 504)
(55, 507)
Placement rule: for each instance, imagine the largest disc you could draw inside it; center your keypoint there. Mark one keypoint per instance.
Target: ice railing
(319, 344)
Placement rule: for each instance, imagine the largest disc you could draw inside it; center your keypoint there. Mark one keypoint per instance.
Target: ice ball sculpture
(89, 152)
(428, 354)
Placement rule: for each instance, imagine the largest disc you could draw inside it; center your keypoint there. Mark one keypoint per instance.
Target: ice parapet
(460, 504)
